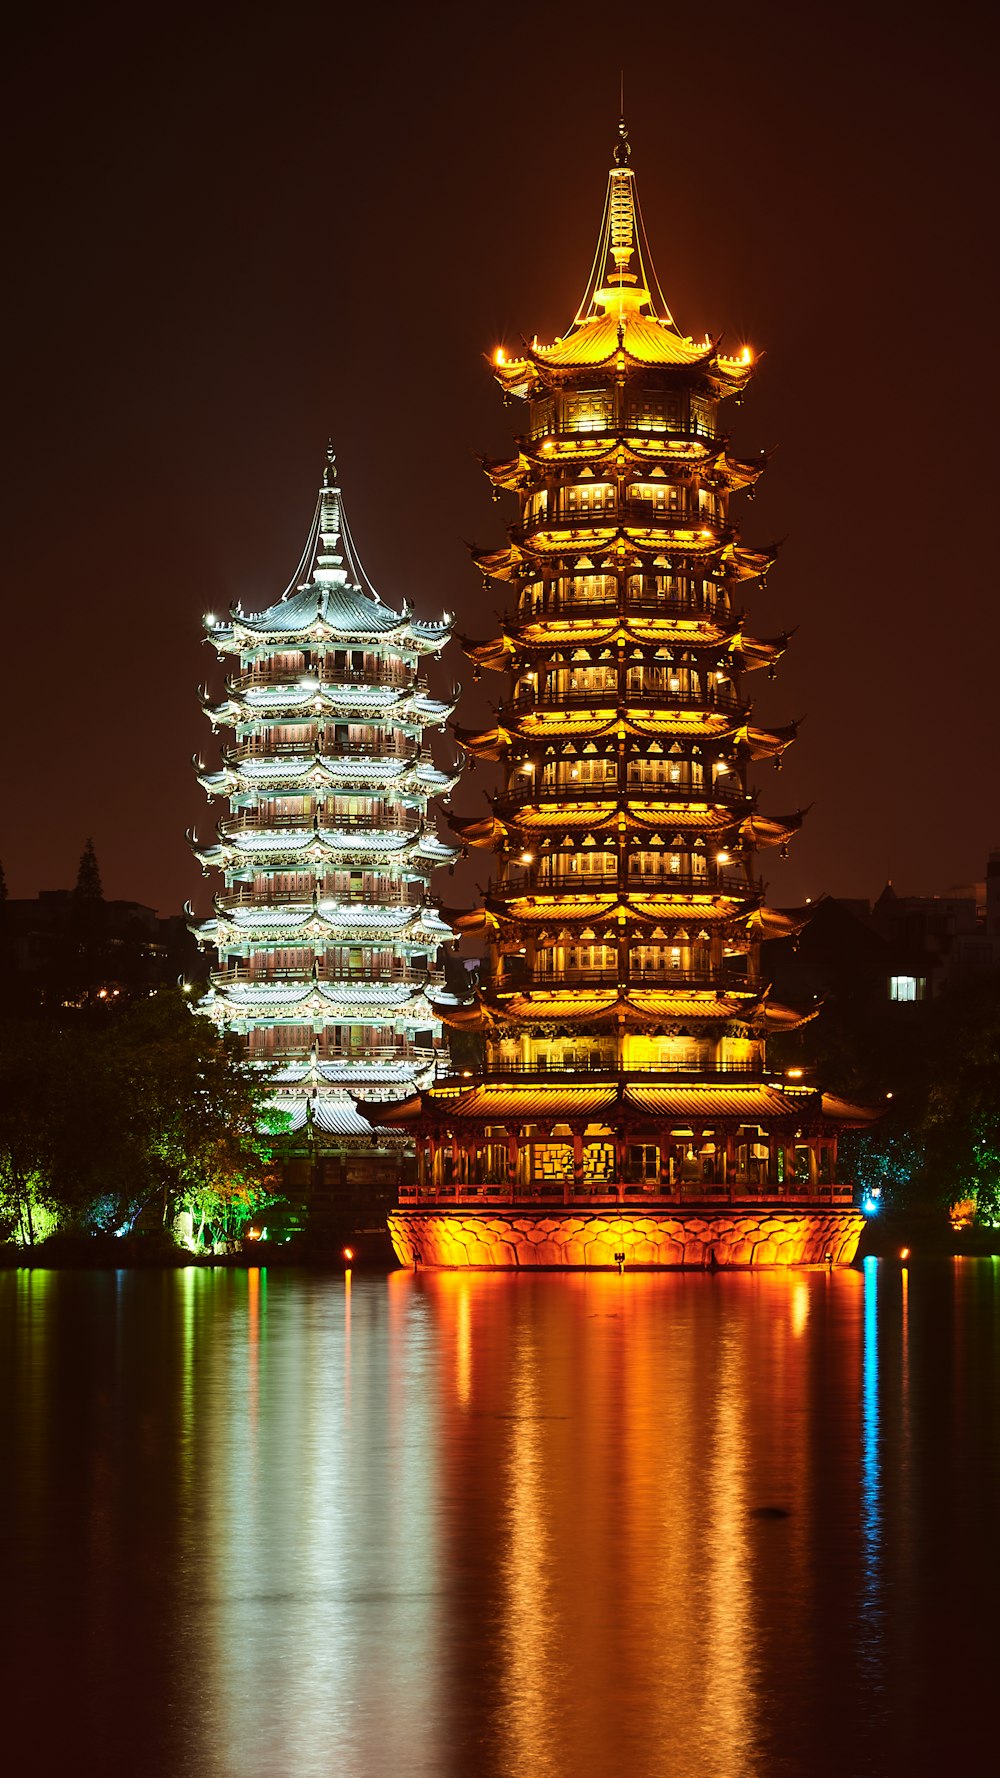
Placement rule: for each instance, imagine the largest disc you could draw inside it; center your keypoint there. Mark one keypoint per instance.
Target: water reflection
(871, 1483)
(448, 1525)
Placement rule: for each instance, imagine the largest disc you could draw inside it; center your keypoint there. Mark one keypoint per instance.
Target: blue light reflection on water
(871, 1477)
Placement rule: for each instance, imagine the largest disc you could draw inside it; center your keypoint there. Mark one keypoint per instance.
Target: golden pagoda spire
(622, 280)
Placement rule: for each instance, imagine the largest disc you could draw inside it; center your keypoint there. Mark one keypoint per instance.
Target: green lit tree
(31, 1062)
(191, 1108)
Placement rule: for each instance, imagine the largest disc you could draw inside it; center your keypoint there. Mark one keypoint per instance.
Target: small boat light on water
(348, 1254)
(904, 1253)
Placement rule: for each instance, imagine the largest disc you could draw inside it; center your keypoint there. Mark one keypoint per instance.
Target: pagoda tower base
(700, 1237)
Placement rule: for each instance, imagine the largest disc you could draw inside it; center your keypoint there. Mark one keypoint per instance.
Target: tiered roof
(624, 644)
(381, 832)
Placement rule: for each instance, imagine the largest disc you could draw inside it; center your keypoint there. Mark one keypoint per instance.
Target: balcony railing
(383, 893)
(498, 1069)
(627, 428)
(715, 882)
(633, 975)
(692, 1192)
(419, 1054)
(527, 787)
(636, 514)
(404, 747)
(305, 679)
(394, 972)
(553, 698)
(378, 821)
(605, 605)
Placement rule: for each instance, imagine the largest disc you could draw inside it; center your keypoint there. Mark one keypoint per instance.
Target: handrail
(531, 787)
(612, 976)
(492, 1191)
(379, 821)
(394, 894)
(716, 882)
(395, 972)
(650, 603)
(328, 750)
(710, 1071)
(611, 694)
(303, 1052)
(306, 679)
(636, 512)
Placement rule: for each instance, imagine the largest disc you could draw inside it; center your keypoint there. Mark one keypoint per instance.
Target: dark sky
(233, 232)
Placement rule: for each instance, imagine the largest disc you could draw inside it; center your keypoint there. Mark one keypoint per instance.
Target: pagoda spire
(330, 557)
(623, 279)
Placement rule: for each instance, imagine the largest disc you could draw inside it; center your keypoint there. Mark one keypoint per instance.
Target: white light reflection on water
(320, 1533)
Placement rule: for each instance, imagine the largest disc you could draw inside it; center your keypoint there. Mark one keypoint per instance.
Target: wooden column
(513, 1152)
(620, 1147)
(577, 1160)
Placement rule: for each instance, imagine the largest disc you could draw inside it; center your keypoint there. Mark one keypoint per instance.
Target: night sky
(233, 232)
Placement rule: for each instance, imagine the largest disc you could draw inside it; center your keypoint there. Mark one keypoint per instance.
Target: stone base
(516, 1240)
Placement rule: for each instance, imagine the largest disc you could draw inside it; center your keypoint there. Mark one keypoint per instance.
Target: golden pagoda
(625, 1112)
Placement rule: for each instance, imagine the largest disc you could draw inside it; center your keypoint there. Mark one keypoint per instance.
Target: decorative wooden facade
(326, 940)
(625, 1021)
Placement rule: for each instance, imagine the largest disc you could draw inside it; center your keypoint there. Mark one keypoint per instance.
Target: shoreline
(885, 1237)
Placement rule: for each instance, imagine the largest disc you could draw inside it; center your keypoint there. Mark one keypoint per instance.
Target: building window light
(907, 987)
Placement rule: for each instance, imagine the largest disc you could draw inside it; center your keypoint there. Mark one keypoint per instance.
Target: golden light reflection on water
(728, 1698)
(529, 1631)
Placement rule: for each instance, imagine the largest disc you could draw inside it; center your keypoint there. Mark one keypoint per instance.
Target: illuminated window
(586, 410)
(907, 987)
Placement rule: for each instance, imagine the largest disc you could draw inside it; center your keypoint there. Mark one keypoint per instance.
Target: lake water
(685, 1526)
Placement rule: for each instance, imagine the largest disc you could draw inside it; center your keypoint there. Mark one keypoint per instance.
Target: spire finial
(623, 147)
(329, 473)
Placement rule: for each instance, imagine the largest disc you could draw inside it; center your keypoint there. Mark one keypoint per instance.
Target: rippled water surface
(553, 1527)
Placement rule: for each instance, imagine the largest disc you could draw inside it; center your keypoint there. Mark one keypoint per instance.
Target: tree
(31, 1059)
(191, 1109)
(103, 1124)
(88, 876)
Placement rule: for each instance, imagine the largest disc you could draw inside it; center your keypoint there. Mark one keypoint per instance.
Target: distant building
(60, 950)
(901, 948)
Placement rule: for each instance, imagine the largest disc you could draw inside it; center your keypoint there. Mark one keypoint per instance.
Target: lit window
(907, 987)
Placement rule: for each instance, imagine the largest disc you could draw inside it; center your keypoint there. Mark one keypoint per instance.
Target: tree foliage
(105, 1124)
